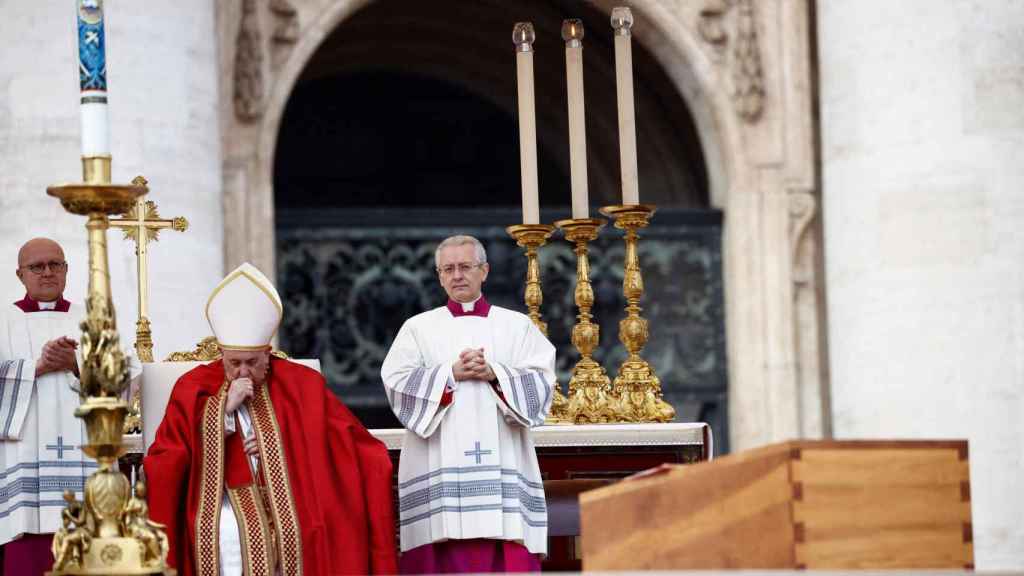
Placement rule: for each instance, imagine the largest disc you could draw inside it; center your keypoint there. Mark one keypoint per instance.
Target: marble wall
(162, 74)
(922, 127)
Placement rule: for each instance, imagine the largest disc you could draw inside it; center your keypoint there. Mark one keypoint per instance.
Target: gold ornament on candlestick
(637, 389)
(142, 225)
(531, 237)
(590, 401)
(110, 532)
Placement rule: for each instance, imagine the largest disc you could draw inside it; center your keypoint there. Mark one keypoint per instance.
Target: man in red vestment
(257, 467)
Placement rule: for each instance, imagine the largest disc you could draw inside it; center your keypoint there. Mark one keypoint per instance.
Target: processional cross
(142, 224)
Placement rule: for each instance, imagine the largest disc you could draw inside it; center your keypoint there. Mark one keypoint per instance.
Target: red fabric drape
(340, 475)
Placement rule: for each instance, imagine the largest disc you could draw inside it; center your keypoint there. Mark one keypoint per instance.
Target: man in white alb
(40, 438)
(468, 380)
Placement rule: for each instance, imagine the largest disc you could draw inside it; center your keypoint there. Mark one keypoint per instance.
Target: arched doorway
(401, 129)
(760, 168)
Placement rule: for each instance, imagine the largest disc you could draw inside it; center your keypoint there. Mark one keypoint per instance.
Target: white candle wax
(622, 20)
(572, 33)
(522, 37)
(92, 75)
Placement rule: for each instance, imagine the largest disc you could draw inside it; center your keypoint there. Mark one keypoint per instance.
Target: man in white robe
(40, 438)
(468, 380)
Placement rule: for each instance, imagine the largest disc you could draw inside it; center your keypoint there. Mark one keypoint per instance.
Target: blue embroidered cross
(60, 447)
(477, 452)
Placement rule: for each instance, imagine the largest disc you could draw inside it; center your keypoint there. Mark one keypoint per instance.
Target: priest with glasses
(468, 380)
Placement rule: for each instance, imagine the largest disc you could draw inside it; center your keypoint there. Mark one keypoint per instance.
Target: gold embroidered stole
(254, 531)
(264, 537)
(279, 491)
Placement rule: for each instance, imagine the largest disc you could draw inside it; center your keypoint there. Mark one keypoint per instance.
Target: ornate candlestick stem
(636, 387)
(531, 237)
(589, 387)
(110, 532)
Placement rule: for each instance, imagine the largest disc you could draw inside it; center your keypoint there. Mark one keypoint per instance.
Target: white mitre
(244, 310)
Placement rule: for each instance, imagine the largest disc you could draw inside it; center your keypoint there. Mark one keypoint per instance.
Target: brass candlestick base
(532, 237)
(110, 532)
(637, 388)
(590, 401)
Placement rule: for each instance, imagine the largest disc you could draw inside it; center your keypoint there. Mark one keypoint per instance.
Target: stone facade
(743, 68)
(920, 121)
(921, 130)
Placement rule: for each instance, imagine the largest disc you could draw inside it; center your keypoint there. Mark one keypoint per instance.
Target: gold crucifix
(141, 225)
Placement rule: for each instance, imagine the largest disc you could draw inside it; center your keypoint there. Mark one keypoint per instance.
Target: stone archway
(743, 68)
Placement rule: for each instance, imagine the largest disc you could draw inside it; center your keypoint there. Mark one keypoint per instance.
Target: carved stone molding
(248, 74)
(732, 24)
(802, 209)
(286, 28)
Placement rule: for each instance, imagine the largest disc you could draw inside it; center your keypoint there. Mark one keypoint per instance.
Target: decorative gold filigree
(93, 539)
(143, 340)
(207, 350)
(135, 523)
(532, 237)
(589, 387)
(103, 199)
(142, 225)
(73, 539)
(636, 389)
(104, 371)
(150, 221)
(144, 351)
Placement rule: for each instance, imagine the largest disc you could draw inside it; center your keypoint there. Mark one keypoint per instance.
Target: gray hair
(461, 240)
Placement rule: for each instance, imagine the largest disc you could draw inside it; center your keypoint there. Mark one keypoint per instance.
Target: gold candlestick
(637, 388)
(532, 237)
(110, 532)
(589, 387)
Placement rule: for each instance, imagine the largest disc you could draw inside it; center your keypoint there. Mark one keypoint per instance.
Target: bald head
(42, 269)
(38, 246)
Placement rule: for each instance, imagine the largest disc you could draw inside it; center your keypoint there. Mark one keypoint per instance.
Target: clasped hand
(471, 365)
(239, 391)
(58, 356)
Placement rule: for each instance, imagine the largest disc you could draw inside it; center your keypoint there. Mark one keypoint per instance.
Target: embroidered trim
(542, 523)
(470, 470)
(275, 469)
(211, 484)
(253, 531)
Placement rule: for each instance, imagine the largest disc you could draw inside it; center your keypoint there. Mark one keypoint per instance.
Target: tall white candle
(92, 76)
(572, 33)
(622, 21)
(523, 37)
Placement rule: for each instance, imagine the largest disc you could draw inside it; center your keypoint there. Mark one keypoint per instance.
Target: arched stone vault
(744, 69)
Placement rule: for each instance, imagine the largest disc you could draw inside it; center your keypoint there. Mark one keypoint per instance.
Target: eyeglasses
(54, 266)
(463, 268)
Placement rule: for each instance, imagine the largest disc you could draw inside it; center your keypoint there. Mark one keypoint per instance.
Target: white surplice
(40, 438)
(469, 469)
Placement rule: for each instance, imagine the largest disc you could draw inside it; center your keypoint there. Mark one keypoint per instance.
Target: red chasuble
(319, 502)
